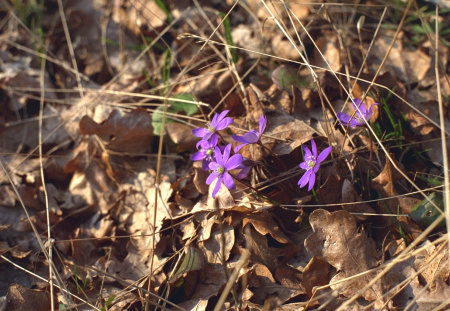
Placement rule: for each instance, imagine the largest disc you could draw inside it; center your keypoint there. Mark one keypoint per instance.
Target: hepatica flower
(312, 164)
(219, 122)
(252, 136)
(358, 118)
(220, 167)
(205, 153)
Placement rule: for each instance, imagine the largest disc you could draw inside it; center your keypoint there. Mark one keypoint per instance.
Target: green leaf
(175, 107)
(192, 261)
(425, 213)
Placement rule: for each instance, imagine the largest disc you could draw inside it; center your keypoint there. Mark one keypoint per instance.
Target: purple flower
(251, 136)
(245, 167)
(220, 167)
(206, 152)
(358, 118)
(219, 122)
(312, 164)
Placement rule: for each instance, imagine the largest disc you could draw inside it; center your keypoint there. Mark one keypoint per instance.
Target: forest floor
(336, 201)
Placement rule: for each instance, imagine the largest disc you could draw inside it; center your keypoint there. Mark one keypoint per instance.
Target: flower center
(209, 152)
(359, 119)
(211, 129)
(311, 163)
(220, 170)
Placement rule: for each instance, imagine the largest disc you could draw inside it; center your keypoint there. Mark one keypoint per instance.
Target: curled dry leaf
(290, 131)
(181, 135)
(316, 273)
(131, 133)
(218, 247)
(349, 195)
(337, 241)
(265, 224)
(384, 182)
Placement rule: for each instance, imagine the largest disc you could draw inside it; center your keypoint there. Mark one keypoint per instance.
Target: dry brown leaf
(290, 131)
(264, 223)
(217, 248)
(385, 181)
(181, 135)
(20, 298)
(318, 272)
(142, 16)
(349, 195)
(419, 124)
(328, 45)
(131, 133)
(330, 190)
(93, 180)
(410, 66)
(435, 262)
(337, 241)
(259, 248)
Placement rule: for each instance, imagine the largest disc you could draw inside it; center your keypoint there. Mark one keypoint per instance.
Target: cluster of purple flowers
(219, 160)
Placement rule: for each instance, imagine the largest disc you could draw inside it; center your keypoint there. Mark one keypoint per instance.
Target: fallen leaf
(385, 181)
(434, 261)
(218, 247)
(130, 133)
(181, 135)
(349, 195)
(265, 224)
(337, 241)
(330, 57)
(20, 298)
(317, 273)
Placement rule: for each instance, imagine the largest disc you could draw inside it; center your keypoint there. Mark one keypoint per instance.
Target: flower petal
(234, 162)
(213, 140)
(308, 153)
(228, 181)
(205, 165)
(218, 155)
(226, 154)
(217, 186)
(304, 165)
(238, 147)
(213, 166)
(239, 139)
(214, 121)
(211, 178)
(199, 155)
(262, 124)
(314, 148)
(323, 155)
(312, 180)
(244, 172)
(343, 118)
(251, 137)
(200, 132)
(356, 102)
(304, 179)
(222, 115)
(223, 123)
(355, 123)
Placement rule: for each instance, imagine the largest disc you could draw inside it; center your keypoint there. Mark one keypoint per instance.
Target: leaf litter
(134, 223)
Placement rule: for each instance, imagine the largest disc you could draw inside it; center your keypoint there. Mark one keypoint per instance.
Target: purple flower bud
(358, 118)
(252, 136)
